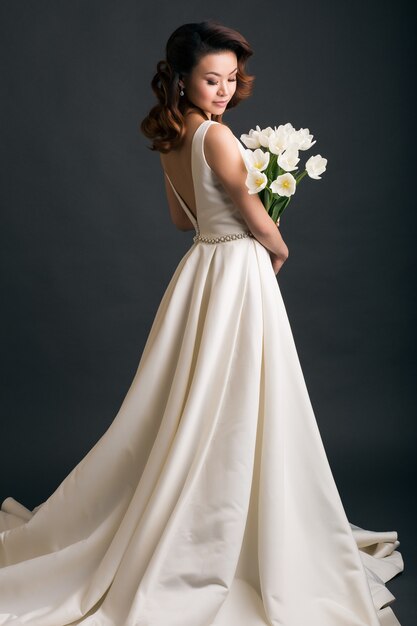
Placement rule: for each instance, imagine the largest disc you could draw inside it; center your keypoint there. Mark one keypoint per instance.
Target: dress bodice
(216, 214)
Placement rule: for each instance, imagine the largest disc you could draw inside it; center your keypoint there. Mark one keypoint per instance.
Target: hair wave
(164, 124)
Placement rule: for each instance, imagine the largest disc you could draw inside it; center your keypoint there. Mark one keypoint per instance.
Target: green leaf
(268, 198)
(275, 212)
(272, 166)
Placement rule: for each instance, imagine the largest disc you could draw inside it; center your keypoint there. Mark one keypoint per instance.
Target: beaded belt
(221, 238)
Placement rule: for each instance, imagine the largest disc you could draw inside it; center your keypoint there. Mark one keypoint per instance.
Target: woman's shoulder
(221, 127)
(219, 137)
(221, 148)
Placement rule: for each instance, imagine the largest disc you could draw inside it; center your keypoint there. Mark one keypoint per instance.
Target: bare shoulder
(218, 136)
(220, 148)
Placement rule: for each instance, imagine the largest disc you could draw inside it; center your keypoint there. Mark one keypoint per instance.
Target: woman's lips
(221, 103)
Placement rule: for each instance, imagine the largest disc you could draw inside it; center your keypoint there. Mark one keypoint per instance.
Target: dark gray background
(88, 248)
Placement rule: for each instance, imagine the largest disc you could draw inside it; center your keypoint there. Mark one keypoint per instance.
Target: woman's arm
(224, 157)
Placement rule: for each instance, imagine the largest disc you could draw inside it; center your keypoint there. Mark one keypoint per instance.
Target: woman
(209, 501)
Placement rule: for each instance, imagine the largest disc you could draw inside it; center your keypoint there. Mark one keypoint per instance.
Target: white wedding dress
(209, 501)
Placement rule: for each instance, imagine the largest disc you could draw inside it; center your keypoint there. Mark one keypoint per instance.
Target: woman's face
(212, 82)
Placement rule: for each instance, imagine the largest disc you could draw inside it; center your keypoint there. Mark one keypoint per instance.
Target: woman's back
(177, 162)
(213, 209)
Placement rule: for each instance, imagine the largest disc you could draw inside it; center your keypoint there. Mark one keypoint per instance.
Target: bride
(209, 501)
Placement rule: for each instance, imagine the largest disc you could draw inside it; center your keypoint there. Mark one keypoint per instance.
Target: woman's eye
(231, 80)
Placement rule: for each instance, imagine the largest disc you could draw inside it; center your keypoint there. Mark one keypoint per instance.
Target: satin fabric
(209, 501)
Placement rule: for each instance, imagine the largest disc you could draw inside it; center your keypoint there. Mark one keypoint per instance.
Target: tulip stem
(301, 176)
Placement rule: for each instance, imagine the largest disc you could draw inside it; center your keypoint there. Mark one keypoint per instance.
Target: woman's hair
(164, 124)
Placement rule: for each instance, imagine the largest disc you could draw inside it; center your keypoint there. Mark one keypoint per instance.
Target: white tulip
(279, 140)
(284, 185)
(256, 159)
(288, 159)
(251, 140)
(316, 165)
(255, 181)
(301, 139)
(288, 127)
(264, 135)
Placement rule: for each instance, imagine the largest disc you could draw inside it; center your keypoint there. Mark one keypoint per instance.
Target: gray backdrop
(88, 248)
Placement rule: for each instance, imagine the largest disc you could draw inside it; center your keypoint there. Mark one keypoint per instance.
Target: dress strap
(184, 206)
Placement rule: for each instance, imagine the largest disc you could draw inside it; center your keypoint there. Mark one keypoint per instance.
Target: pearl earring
(182, 92)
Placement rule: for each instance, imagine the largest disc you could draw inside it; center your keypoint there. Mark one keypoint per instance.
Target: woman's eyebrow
(220, 74)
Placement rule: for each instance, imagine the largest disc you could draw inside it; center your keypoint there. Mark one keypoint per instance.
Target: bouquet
(270, 157)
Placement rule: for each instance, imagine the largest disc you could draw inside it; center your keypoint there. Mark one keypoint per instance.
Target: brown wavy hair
(164, 124)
